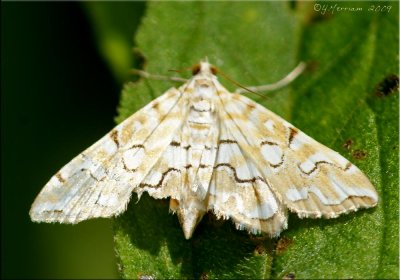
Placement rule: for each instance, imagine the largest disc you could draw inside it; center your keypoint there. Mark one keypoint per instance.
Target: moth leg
(279, 84)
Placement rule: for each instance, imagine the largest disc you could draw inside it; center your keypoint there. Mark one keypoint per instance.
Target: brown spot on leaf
(282, 244)
(260, 250)
(289, 276)
(359, 154)
(388, 85)
(347, 145)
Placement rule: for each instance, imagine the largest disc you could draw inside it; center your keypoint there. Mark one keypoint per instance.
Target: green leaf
(354, 56)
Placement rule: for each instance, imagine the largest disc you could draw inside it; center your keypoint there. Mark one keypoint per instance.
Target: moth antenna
(279, 84)
(181, 69)
(239, 85)
(146, 75)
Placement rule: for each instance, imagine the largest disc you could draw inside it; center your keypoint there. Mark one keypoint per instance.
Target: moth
(207, 149)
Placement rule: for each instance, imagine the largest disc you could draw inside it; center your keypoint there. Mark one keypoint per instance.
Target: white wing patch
(207, 150)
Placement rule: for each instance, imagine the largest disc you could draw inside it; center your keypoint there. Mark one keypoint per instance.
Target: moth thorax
(204, 88)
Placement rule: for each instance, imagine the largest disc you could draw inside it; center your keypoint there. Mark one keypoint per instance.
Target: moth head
(204, 68)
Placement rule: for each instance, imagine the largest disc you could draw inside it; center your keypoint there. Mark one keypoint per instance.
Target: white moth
(208, 150)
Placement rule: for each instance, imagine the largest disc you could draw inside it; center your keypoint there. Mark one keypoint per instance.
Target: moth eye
(214, 70)
(196, 69)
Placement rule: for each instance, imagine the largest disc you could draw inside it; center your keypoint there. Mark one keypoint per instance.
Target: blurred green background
(58, 96)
